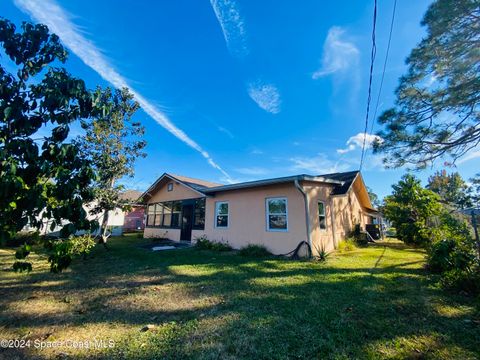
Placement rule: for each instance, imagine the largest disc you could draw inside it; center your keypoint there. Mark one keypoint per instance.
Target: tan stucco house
(278, 213)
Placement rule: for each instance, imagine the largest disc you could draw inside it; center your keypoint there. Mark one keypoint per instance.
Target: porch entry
(187, 220)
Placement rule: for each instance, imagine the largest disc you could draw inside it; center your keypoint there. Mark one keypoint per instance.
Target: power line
(372, 62)
(384, 65)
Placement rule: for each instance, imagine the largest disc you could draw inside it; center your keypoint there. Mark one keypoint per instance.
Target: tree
(436, 112)
(41, 176)
(412, 211)
(373, 198)
(451, 187)
(112, 143)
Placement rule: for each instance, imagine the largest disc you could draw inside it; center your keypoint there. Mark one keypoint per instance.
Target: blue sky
(237, 90)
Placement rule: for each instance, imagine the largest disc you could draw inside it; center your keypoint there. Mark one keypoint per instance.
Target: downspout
(307, 217)
(332, 215)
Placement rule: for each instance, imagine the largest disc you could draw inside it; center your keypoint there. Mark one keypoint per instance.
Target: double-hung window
(221, 214)
(322, 219)
(277, 215)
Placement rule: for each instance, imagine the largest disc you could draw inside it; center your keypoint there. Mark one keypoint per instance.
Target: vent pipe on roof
(307, 217)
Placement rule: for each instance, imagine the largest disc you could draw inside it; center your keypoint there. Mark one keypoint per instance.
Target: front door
(187, 218)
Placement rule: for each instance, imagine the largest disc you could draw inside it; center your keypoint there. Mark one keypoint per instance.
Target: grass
(370, 303)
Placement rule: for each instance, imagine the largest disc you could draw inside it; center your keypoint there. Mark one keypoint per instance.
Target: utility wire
(372, 62)
(384, 65)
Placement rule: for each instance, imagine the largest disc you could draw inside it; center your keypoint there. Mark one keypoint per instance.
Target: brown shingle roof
(195, 183)
(130, 195)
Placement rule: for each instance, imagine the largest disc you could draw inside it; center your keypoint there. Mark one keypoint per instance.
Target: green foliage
(21, 266)
(204, 244)
(112, 143)
(451, 188)
(437, 104)
(349, 244)
(322, 255)
(23, 237)
(411, 209)
(40, 176)
(62, 252)
(462, 281)
(23, 252)
(254, 251)
(373, 198)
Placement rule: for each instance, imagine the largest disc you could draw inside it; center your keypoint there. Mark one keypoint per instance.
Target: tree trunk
(104, 229)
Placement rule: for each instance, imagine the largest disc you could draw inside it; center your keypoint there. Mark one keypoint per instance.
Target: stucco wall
(347, 213)
(321, 238)
(247, 218)
(179, 192)
(172, 234)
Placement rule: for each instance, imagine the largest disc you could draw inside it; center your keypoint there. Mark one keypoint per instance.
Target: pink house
(278, 213)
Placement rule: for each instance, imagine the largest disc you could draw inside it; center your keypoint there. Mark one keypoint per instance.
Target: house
(278, 213)
(134, 219)
(119, 221)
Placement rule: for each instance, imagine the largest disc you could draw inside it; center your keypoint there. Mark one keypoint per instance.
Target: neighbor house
(278, 213)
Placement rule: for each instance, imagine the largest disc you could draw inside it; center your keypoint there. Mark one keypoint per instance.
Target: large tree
(436, 113)
(452, 189)
(113, 142)
(412, 209)
(42, 174)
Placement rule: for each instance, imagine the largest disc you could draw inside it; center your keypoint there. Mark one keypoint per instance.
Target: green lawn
(375, 302)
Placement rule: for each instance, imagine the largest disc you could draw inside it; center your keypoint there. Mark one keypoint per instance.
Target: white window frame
(324, 215)
(217, 206)
(170, 186)
(267, 213)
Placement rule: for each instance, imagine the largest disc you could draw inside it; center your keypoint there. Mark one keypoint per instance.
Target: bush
(23, 237)
(463, 281)
(253, 250)
(348, 244)
(63, 251)
(204, 244)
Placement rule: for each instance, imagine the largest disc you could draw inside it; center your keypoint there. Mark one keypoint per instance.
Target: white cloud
(59, 22)
(265, 95)
(253, 171)
(469, 156)
(256, 152)
(317, 165)
(356, 142)
(232, 25)
(226, 131)
(338, 54)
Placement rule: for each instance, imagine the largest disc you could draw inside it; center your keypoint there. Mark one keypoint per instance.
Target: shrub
(23, 237)
(204, 244)
(253, 250)
(348, 244)
(63, 251)
(464, 281)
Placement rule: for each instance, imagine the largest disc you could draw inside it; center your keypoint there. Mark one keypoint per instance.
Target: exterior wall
(172, 234)
(247, 218)
(321, 238)
(347, 213)
(133, 218)
(179, 192)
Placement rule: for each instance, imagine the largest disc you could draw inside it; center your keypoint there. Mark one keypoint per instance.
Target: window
(170, 187)
(158, 215)
(277, 218)
(199, 214)
(151, 215)
(167, 214)
(176, 212)
(322, 219)
(221, 214)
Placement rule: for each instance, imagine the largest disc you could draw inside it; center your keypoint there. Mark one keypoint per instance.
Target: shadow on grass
(256, 308)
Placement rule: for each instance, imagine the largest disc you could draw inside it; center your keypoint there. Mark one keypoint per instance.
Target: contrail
(58, 21)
